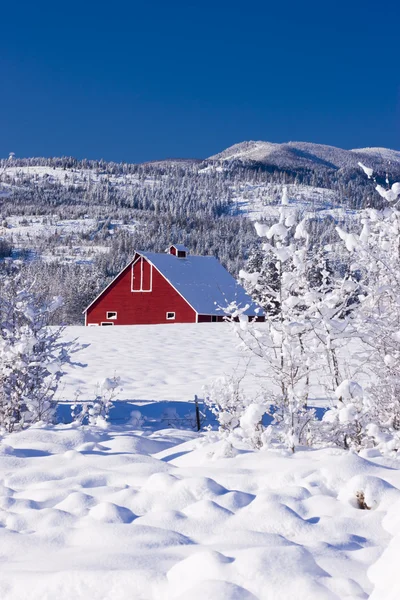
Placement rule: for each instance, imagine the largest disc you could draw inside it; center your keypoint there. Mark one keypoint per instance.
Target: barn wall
(222, 319)
(208, 319)
(135, 308)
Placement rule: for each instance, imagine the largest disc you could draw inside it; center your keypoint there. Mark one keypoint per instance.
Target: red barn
(172, 287)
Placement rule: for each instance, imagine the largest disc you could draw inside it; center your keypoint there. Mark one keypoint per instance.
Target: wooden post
(196, 403)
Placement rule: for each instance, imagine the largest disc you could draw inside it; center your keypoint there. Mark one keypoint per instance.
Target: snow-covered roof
(203, 282)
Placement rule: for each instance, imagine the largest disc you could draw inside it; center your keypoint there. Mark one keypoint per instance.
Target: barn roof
(204, 283)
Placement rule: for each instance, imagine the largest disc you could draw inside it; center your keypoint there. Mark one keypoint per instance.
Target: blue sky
(136, 81)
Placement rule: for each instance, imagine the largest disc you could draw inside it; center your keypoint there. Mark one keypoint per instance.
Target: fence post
(196, 403)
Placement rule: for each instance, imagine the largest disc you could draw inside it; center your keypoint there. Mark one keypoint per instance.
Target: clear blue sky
(137, 81)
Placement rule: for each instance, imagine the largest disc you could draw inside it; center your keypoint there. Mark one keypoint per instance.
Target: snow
(277, 230)
(391, 194)
(261, 229)
(351, 240)
(142, 510)
(157, 362)
(30, 229)
(261, 201)
(94, 514)
(170, 362)
(367, 170)
(304, 154)
(386, 154)
(203, 282)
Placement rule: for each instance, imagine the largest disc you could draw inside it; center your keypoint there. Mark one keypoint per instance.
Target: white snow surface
(167, 362)
(122, 514)
(126, 511)
(158, 362)
(303, 154)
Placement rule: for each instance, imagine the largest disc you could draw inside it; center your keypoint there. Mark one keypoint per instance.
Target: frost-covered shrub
(251, 428)
(171, 417)
(375, 255)
(32, 355)
(227, 402)
(136, 419)
(345, 424)
(239, 417)
(96, 412)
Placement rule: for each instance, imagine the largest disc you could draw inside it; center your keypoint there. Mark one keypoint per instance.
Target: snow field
(168, 362)
(121, 514)
(261, 201)
(158, 362)
(115, 512)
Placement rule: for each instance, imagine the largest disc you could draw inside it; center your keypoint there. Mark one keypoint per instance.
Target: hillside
(78, 222)
(300, 155)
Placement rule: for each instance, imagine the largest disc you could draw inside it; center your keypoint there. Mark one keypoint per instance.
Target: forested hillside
(74, 224)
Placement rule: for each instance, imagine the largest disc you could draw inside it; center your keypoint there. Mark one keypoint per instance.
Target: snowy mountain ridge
(306, 154)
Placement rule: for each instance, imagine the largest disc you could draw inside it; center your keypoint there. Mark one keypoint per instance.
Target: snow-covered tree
(287, 345)
(375, 255)
(32, 355)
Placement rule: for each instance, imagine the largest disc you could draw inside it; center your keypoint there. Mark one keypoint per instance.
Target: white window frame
(170, 312)
(112, 312)
(106, 323)
(141, 259)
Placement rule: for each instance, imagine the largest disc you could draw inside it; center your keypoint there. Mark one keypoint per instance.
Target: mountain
(301, 155)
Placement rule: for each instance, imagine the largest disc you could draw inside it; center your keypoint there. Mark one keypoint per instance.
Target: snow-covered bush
(32, 355)
(226, 400)
(171, 417)
(239, 416)
(251, 428)
(287, 344)
(316, 305)
(346, 424)
(136, 419)
(375, 255)
(96, 412)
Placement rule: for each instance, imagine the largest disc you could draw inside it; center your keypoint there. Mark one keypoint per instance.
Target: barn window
(170, 316)
(106, 324)
(111, 314)
(93, 325)
(213, 318)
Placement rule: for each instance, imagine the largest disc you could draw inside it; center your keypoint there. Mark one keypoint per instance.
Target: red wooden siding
(140, 307)
(136, 275)
(141, 275)
(146, 276)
